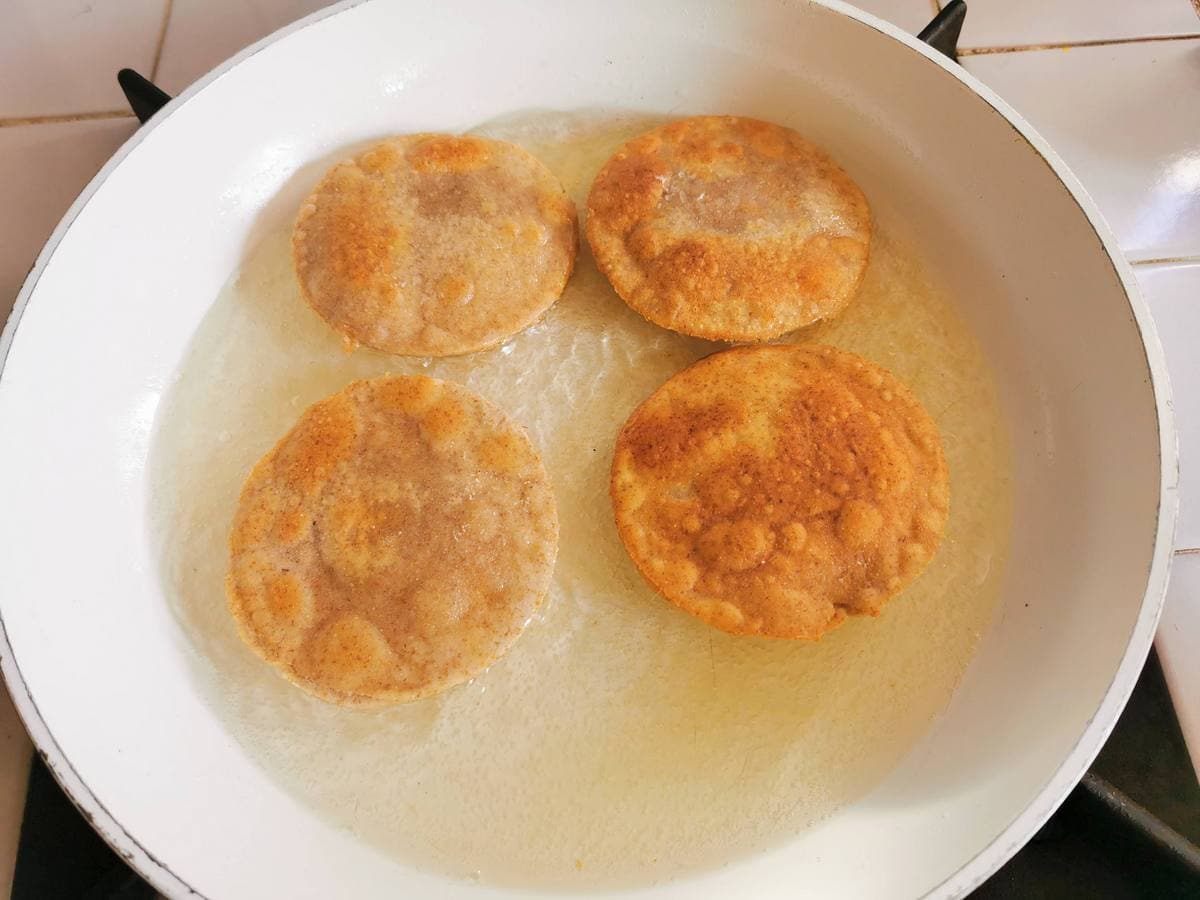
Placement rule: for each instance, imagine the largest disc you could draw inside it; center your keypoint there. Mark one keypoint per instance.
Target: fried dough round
(775, 490)
(728, 228)
(435, 245)
(394, 543)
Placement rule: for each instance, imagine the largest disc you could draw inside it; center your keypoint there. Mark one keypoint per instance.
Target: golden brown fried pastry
(775, 490)
(728, 228)
(433, 245)
(394, 543)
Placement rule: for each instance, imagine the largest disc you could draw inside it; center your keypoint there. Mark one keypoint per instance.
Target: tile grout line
(1189, 551)
(1068, 45)
(66, 117)
(162, 39)
(60, 118)
(1164, 260)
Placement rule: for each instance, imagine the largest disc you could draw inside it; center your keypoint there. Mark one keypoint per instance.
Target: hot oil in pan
(620, 741)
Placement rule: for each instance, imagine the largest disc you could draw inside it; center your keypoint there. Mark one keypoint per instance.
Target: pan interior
(621, 741)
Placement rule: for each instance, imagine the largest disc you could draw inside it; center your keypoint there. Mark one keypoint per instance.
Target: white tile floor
(1123, 114)
(1117, 115)
(59, 58)
(1021, 23)
(1173, 292)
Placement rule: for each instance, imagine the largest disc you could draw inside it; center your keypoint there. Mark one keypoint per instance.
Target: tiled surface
(1173, 292)
(61, 57)
(1008, 23)
(42, 169)
(1126, 120)
(1181, 624)
(197, 40)
(1124, 116)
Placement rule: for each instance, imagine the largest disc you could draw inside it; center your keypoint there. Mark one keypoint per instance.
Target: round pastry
(728, 228)
(435, 245)
(395, 542)
(775, 490)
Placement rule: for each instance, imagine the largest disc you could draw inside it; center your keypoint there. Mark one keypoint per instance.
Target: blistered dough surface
(729, 228)
(434, 245)
(393, 543)
(775, 490)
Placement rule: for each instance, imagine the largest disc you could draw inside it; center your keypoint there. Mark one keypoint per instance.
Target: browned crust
(393, 543)
(728, 228)
(775, 490)
(435, 245)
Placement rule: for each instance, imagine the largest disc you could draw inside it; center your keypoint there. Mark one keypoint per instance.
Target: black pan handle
(942, 33)
(144, 96)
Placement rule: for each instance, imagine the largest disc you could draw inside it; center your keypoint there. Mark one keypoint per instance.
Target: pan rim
(1047, 799)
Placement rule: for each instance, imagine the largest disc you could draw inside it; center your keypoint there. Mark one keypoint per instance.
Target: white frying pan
(94, 659)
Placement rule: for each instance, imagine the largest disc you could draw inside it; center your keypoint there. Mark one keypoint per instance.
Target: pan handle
(144, 96)
(942, 32)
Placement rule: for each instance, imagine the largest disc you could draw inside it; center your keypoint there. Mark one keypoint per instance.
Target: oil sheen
(620, 742)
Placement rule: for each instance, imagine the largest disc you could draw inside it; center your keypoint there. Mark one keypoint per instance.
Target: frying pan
(92, 655)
